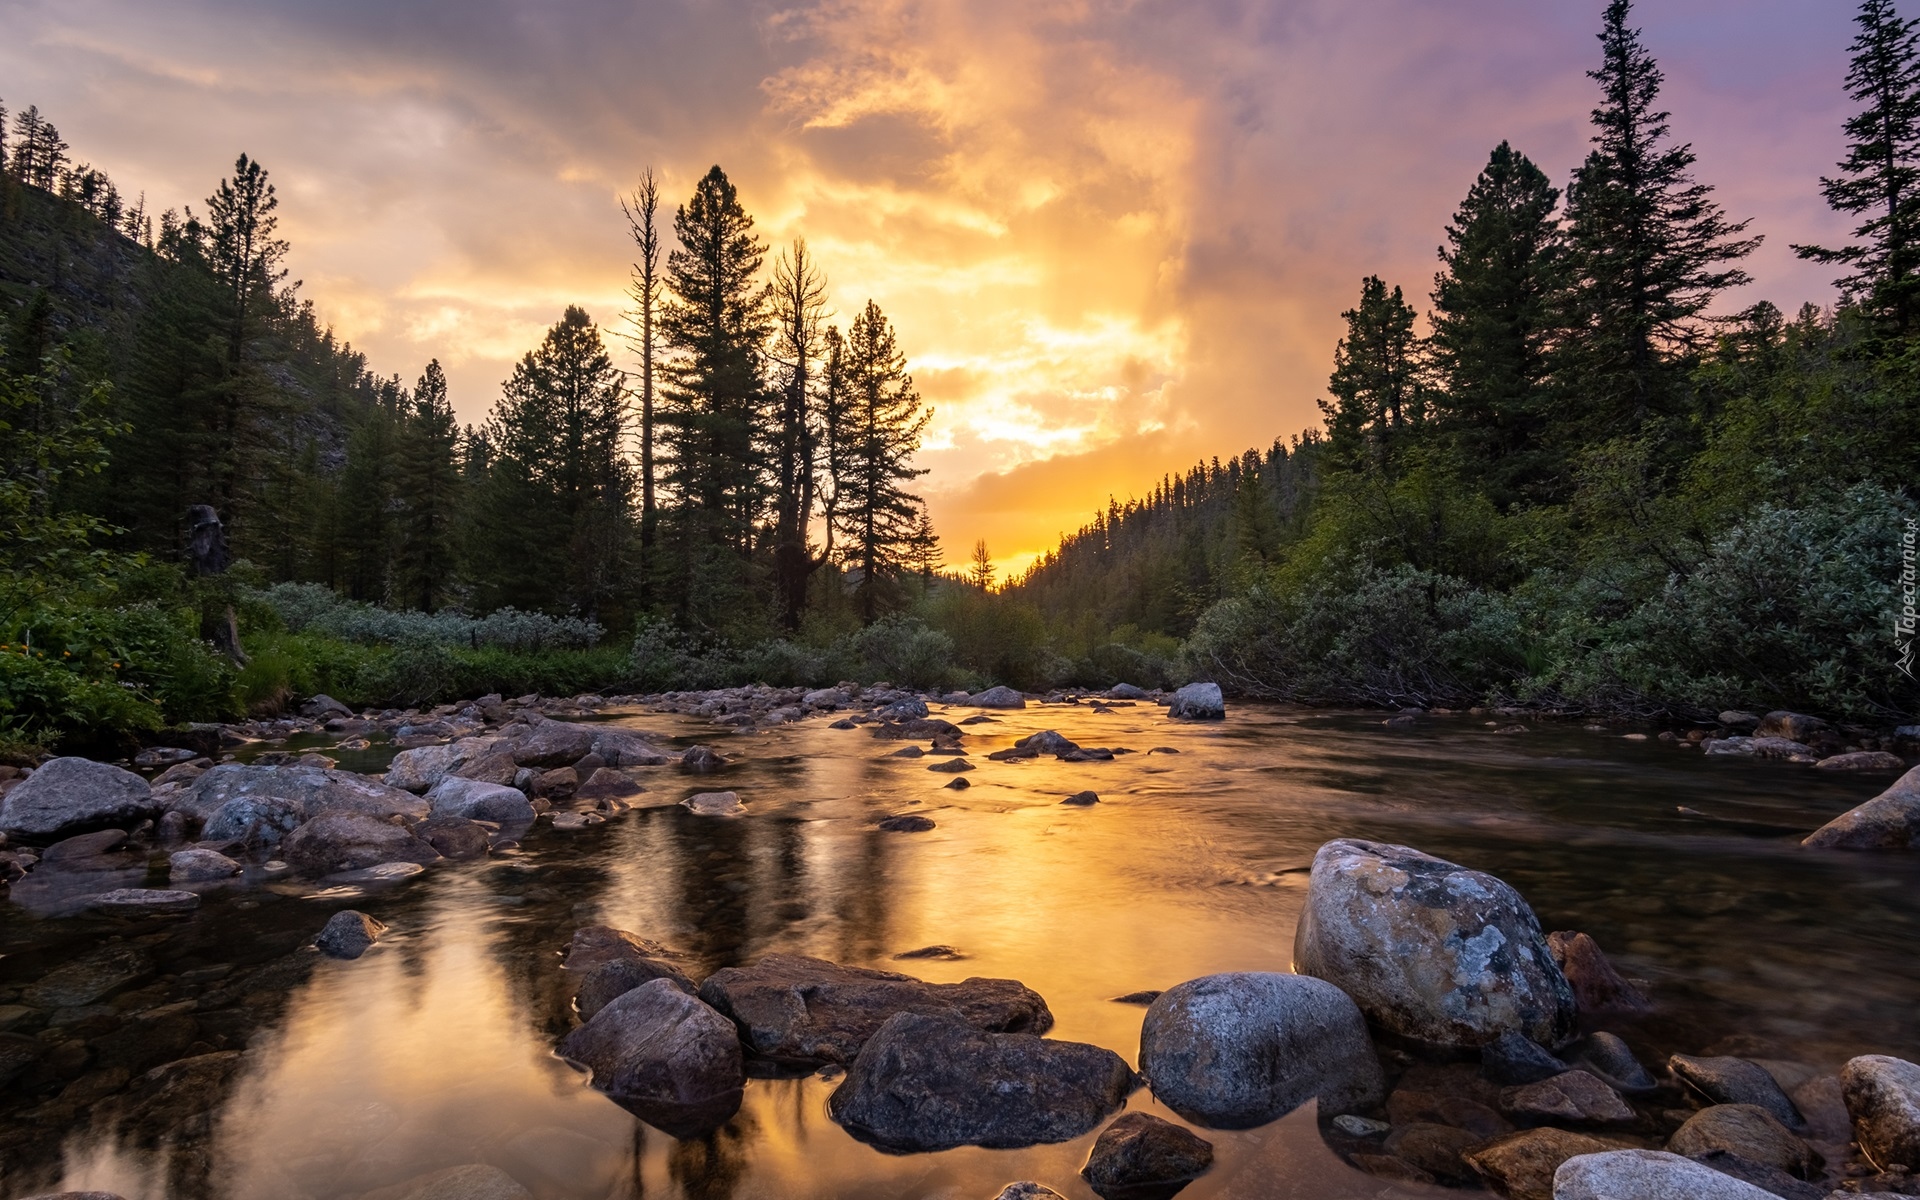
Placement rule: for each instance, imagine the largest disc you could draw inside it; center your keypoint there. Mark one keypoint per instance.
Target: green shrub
(904, 651)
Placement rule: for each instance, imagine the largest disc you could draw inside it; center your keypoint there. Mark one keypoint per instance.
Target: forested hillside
(1575, 480)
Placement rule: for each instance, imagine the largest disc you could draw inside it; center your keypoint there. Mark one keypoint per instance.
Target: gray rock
(1613, 1060)
(477, 800)
(68, 795)
(1646, 1175)
(933, 1082)
(1238, 1050)
(76, 1196)
(950, 766)
(1199, 702)
(1512, 1059)
(700, 760)
(1575, 1097)
(1883, 1098)
(1428, 949)
(1740, 722)
(1728, 1080)
(454, 837)
(1889, 821)
(1126, 691)
(664, 1056)
(715, 804)
(551, 744)
(256, 820)
(321, 707)
(611, 980)
(1863, 760)
(826, 699)
(1766, 1178)
(1777, 747)
(163, 756)
(809, 1011)
(1746, 1132)
(594, 945)
(305, 791)
(910, 709)
(420, 769)
(380, 874)
(200, 866)
(130, 902)
(1363, 1127)
(348, 841)
(1140, 1155)
(997, 697)
(1047, 741)
(618, 747)
(348, 934)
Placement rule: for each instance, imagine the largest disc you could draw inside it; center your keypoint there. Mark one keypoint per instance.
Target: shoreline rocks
(72, 795)
(1198, 702)
(1889, 821)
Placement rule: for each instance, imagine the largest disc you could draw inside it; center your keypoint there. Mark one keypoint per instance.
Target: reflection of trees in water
(863, 902)
(713, 1167)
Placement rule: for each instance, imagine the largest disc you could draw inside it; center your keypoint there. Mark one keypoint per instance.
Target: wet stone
(613, 979)
(1883, 1097)
(1141, 1157)
(196, 866)
(141, 901)
(1521, 1166)
(1747, 1132)
(348, 934)
(1082, 799)
(1576, 1097)
(1435, 1149)
(1646, 1175)
(1727, 1080)
(906, 823)
(1609, 1057)
(1513, 1058)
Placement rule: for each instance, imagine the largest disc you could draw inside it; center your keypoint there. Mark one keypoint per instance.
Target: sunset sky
(1115, 235)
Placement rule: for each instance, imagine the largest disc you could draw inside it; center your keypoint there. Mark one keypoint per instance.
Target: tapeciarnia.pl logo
(1904, 620)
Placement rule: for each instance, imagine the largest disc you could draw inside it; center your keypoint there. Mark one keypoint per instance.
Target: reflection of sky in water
(434, 1050)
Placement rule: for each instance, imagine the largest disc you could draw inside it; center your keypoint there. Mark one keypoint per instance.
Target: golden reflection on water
(434, 1050)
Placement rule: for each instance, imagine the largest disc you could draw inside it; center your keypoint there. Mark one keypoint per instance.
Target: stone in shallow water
(951, 766)
(1748, 1132)
(1607, 1056)
(1513, 1058)
(475, 1181)
(1027, 1190)
(611, 980)
(664, 1056)
(89, 978)
(1889, 821)
(71, 794)
(381, 873)
(1082, 799)
(1141, 1157)
(926, 1082)
(1726, 1080)
(348, 934)
(478, 800)
(1597, 987)
(906, 823)
(1647, 1175)
(998, 697)
(1575, 1096)
(198, 866)
(1198, 702)
(136, 901)
(715, 804)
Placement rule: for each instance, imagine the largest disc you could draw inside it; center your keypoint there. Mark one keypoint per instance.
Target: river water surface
(435, 1049)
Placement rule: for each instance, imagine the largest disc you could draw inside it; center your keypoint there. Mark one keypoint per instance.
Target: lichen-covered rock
(932, 1082)
(1647, 1175)
(1140, 1154)
(1199, 702)
(664, 1056)
(1883, 1098)
(551, 744)
(795, 1009)
(1237, 1050)
(67, 795)
(1889, 821)
(1429, 949)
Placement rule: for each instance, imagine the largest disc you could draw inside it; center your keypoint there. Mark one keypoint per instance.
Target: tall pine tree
(427, 490)
(799, 307)
(878, 517)
(1880, 176)
(1378, 392)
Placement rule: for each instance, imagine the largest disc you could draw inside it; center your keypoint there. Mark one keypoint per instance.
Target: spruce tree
(1491, 344)
(1880, 176)
(427, 487)
(367, 499)
(799, 307)
(641, 211)
(1376, 383)
(1649, 248)
(715, 324)
(878, 516)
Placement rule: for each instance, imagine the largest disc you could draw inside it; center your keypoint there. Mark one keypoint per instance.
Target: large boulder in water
(348, 841)
(1238, 1050)
(477, 800)
(1889, 821)
(1647, 1175)
(795, 1009)
(1199, 702)
(1430, 950)
(1883, 1098)
(933, 1082)
(997, 697)
(665, 1057)
(419, 769)
(68, 795)
(551, 744)
(273, 795)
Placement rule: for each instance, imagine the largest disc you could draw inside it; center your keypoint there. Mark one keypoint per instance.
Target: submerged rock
(1512, 1059)
(933, 1081)
(1199, 702)
(454, 837)
(1646, 1175)
(1428, 949)
(474, 1181)
(67, 795)
(1613, 1060)
(1237, 1050)
(1883, 1098)
(809, 1011)
(906, 823)
(348, 841)
(1141, 1157)
(138, 901)
(593, 945)
(348, 934)
(1889, 821)
(200, 866)
(664, 1056)
(1727, 1080)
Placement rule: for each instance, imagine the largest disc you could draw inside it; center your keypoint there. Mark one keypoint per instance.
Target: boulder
(608, 783)
(68, 795)
(951, 766)
(618, 747)
(927, 1081)
(826, 699)
(1047, 741)
(794, 1009)
(321, 707)
(1082, 799)
(664, 1056)
(1237, 1050)
(454, 837)
(1521, 1166)
(552, 744)
(420, 769)
(255, 820)
(200, 866)
(611, 980)
(1883, 1098)
(1646, 1175)
(593, 945)
(1794, 727)
(1126, 691)
(1607, 1056)
(348, 934)
(1597, 987)
(715, 804)
(928, 729)
(700, 760)
(1199, 702)
(133, 902)
(304, 791)
(1863, 760)
(1727, 1080)
(347, 841)
(997, 697)
(1747, 1132)
(1889, 821)
(1739, 722)
(1767, 1178)
(1575, 1097)
(1777, 747)
(163, 756)
(1430, 950)
(1142, 1156)
(477, 800)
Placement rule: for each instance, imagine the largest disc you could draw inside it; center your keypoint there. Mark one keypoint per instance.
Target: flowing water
(436, 1048)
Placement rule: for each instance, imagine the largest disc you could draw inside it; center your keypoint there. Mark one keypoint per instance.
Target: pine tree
(877, 514)
(1376, 383)
(39, 155)
(427, 488)
(1491, 345)
(641, 209)
(799, 306)
(1880, 177)
(368, 528)
(1649, 247)
(716, 326)
(980, 566)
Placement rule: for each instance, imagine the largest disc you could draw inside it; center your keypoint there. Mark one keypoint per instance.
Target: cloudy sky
(1115, 235)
